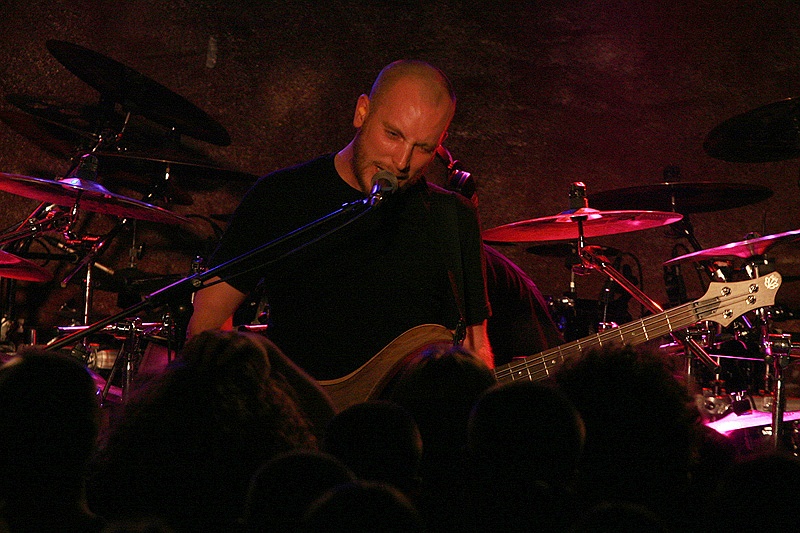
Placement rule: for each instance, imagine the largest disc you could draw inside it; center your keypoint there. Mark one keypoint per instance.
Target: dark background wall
(550, 92)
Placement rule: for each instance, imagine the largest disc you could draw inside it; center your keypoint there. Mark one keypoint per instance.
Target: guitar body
(368, 381)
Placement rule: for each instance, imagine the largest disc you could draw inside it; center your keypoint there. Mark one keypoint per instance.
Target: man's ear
(362, 109)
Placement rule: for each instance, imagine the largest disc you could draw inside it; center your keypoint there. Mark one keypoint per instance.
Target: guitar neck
(539, 366)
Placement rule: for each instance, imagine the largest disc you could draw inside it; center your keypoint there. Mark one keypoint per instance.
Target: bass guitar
(723, 302)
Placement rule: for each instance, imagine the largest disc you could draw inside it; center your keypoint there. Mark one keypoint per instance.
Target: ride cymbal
(137, 93)
(681, 197)
(564, 226)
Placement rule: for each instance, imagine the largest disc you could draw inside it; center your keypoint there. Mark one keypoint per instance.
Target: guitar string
(661, 326)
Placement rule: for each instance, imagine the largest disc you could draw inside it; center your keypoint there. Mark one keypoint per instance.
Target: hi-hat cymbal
(564, 226)
(137, 93)
(89, 195)
(681, 197)
(767, 133)
(742, 249)
(13, 267)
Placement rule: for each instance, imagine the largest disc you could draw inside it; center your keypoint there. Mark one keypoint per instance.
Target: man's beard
(359, 163)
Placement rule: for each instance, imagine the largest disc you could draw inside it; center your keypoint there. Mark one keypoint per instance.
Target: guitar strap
(449, 235)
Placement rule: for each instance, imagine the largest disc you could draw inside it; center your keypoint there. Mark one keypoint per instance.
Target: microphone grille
(386, 181)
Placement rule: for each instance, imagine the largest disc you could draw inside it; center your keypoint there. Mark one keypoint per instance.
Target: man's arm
(214, 307)
(477, 341)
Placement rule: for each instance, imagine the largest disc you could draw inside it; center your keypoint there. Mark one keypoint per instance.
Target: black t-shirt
(339, 300)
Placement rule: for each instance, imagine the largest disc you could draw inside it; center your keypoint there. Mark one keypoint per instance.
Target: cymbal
(91, 196)
(157, 161)
(767, 133)
(71, 121)
(681, 197)
(145, 171)
(742, 249)
(137, 93)
(13, 267)
(564, 226)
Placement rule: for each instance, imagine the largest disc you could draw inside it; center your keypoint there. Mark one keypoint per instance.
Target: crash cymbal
(767, 133)
(13, 267)
(742, 249)
(681, 197)
(137, 93)
(91, 196)
(564, 226)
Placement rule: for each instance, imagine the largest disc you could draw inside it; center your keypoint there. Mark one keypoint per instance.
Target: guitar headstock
(724, 302)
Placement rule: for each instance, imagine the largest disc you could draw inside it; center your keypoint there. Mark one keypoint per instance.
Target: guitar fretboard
(632, 333)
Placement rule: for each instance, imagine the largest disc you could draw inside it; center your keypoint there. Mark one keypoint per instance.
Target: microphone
(384, 183)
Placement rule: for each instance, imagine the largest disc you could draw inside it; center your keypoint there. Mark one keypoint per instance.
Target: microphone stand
(193, 283)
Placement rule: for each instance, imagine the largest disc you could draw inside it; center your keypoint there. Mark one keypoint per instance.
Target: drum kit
(104, 142)
(711, 352)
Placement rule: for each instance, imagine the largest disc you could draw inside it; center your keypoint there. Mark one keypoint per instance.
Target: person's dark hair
(775, 474)
(282, 490)
(379, 441)
(361, 507)
(438, 387)
(49, 420)
(527, 431)
(189, 442)
(641, 427)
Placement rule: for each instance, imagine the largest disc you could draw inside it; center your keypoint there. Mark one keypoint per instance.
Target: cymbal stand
(98, 245)
(593, 260)
(46, 217)
(128, 357)
(776, 349)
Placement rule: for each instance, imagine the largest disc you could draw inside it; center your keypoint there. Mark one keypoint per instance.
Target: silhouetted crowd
(232, 437)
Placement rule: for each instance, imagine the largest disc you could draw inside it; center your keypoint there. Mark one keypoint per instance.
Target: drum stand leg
(776, 355)
(128, 358)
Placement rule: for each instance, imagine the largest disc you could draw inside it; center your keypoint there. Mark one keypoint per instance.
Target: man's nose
(402, 158)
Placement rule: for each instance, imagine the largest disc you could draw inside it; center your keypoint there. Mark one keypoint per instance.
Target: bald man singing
(415, 259)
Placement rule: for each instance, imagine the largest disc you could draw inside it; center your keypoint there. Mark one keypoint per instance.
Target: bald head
(431, 82)
(399, 125)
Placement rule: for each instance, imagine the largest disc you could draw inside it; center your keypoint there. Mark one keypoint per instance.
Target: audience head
(620, 517)
(378, 441)
(773, 476)
(640, 427)
(438, 387)
(189, 441)
(282, 490)
(361, 507)
(526, 432)
(49, 420)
